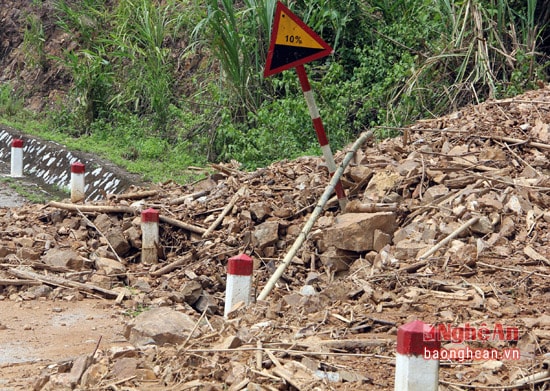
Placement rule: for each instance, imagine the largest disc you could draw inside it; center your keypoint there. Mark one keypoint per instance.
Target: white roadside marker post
(414, 369)
(17, 158)
(149, 235)
(77, 182)
(239, 281)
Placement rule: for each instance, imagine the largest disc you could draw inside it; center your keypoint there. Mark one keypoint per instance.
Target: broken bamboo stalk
(10, 282)
(450, 237)
(225, 211)
(357, 206)
(314, 215)
(181, 224)
(517, 141)
(183, 199)
(136, 195)
(174, 265)
(92, 208)
(62, 282)
(533, 379)
(352, 344)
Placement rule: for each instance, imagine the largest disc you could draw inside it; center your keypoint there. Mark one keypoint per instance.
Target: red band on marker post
(78, 168)
(414, 337)
(417, 358)
(17, 143)
(241, 265)
(150, 216)
(320, 131)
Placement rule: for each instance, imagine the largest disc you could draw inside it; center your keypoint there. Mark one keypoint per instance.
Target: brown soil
(40, 333)
(488, 161)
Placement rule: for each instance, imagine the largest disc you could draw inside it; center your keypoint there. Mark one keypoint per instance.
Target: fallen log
(8, 282)
(138, 195)
(92, 208)
(352, 344)
(184, 260)
(357, 206)
(62, 282)
(183, 225)
(193, 196)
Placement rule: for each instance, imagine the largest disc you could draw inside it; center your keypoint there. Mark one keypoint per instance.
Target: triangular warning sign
(292, 43)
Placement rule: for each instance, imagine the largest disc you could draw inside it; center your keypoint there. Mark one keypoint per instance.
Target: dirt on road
(43, 333)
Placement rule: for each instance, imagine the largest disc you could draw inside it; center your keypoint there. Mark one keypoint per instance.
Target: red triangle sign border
(300, 58)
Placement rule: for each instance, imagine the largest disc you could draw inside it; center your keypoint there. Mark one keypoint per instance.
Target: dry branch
(136, 195)
(182, 200)
(181, 224)
(62, 282)
(356, 206)
(173, 265)
(450, 237)
(8, 282)
(225, 211)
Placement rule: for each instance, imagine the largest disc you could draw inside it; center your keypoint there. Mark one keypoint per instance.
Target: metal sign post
(292, 45)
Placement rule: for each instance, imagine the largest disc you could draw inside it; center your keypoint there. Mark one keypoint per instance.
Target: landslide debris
(447, 223)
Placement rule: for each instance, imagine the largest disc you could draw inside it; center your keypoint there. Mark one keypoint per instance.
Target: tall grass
(486, 50)
(34, 41)
(238, 38)
(124, 60)
(143, 31)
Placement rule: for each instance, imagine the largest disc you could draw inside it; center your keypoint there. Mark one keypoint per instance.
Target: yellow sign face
(293, 43)
(291, 33)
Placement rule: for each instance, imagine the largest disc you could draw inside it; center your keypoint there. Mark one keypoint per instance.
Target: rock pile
(447, 223)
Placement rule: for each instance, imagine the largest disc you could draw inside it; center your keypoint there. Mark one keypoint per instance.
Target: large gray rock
(69, 259)
(160, 326)
(355, 231)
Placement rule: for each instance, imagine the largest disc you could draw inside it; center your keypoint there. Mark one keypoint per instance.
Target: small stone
(231, 342)
(482, 226)
(434, 193)
(337, 260)
(308, 290)
(380, 240)
(110, 267)
(118, 242)
(124, 368)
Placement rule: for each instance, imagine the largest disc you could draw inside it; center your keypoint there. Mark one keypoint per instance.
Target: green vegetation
(159, 86)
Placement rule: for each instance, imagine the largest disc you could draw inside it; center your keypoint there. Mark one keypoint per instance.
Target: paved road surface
(8, 197)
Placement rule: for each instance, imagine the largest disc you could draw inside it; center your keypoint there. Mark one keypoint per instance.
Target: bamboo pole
(92, 208)
(62, 282)
(314, 216)
(225, 211)
(450, 237)
(182, 224)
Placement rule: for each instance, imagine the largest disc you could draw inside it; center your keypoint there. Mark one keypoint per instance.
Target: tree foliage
(189, 72)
